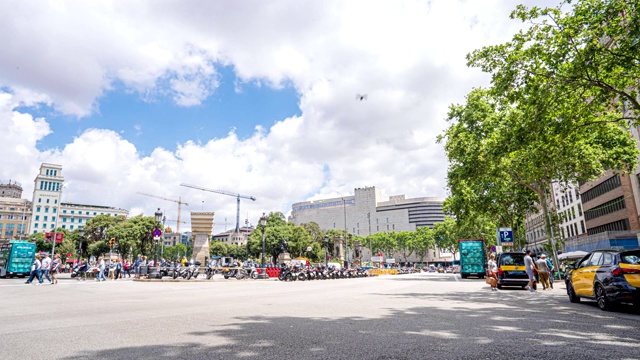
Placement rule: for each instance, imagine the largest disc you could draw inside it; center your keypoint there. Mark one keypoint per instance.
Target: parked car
(511, 270)
(609, 277)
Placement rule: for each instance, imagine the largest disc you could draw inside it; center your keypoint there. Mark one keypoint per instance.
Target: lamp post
(263, 271)
(158, 215)
(81, 235)
(326, 250)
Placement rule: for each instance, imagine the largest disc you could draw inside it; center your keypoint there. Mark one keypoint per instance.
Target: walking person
(551, 271)
(112, 269)
(101, 267)
(35, 271)
(136, 266)
(492, 270)
(118, 268)
(127, 268)
(529, 265)
(55, 268)
(46, 265)
(543, 271)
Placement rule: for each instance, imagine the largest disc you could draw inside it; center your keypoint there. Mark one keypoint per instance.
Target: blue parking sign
(504, 236)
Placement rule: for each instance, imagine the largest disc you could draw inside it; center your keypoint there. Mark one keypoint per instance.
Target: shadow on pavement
(462, 325)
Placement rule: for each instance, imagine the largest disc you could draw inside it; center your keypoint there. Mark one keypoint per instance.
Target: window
(73, 220)
(607, 259)
(55, 201)
(94, 213)
(602, 188)
(37, 217)
(575, 226)
(39, 200)
(596, 259)
(46, 209)
(38, 209)
(80, 221)
(64, 219)
(55, 210)
(71, 227)
(72, 212)
(573, 212)
(579, 210)
(582, 226)
(45, 218)
(52, 226)
(53, 218)
(47, 201)
(577, 194)
(35, 225)
(614, 205)
(64, 226)
(570, 197)
(64, 211)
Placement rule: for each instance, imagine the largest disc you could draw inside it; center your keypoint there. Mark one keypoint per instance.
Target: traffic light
(112, 242)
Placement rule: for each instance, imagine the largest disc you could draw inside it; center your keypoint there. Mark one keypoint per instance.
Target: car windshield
(512, 259)
(631, 257)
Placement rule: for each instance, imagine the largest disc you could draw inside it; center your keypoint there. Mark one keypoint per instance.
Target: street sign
(498, 249)
(390, 261)
(49, 235)
(68, 255)
(157, 233)
(504, 236)
(493, 248)
(376, 258)
(309, 248)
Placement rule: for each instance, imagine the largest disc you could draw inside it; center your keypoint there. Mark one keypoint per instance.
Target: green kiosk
(16, 258)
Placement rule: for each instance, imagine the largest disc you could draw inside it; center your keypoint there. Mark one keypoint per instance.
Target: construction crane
(223, 192)
(179, 201)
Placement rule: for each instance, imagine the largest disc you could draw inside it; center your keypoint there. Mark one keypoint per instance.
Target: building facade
(368, 212)
(15, 212)
(231, 237)
(48, 212)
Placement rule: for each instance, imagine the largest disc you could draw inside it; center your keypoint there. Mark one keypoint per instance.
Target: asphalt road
(421, 316)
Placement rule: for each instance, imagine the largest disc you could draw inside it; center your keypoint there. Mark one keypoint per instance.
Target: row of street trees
(563, 95)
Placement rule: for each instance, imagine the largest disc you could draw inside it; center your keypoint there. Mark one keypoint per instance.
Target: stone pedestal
(284, 258)
(202, 229)
(338, 248)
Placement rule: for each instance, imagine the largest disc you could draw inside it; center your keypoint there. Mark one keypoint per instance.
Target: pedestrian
(55, 268)
(83, 267)
(127, 268)
(46, 265)
(551, 272)
(492, 270)
(112, 269)
(543, 271)
(184, 261)
(101, 268)
(118, 268)
(136, 266)
(529, 266)
(35, 271)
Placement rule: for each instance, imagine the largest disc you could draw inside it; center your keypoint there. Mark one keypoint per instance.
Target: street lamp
(326, 250)
(263, 272)
(158, 215)
(81, 235)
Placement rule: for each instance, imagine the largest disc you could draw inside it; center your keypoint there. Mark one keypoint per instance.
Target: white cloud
(408, 57)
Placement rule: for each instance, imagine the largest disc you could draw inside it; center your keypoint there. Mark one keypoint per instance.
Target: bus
(16, 258)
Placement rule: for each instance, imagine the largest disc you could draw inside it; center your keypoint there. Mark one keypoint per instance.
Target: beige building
(369, 212)
(15, 212)
(48, 210)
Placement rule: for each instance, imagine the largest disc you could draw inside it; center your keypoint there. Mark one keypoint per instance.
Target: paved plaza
(419, 316)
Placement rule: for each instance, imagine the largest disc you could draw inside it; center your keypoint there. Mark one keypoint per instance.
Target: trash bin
(144, 270)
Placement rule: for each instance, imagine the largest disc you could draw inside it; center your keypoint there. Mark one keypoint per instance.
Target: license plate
(516, 272)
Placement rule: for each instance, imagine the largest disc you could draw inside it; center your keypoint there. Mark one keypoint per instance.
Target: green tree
(423, 240)
(446, 235)
(406, 244)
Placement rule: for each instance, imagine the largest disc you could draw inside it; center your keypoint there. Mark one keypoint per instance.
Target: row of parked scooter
(301, 273)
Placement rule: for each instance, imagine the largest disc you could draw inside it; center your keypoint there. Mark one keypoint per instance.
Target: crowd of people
(44, 267)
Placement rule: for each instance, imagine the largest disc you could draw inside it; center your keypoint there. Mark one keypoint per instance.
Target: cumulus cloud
(408, 57)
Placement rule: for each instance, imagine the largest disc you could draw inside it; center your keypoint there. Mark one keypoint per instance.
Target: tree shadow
(462, 325)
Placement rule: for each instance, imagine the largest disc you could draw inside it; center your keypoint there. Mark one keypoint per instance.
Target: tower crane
(179, 201)
(229, 193)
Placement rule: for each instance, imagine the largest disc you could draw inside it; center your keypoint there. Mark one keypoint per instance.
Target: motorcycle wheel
(175, 275)
(195, 276)
(226, 276)
(254, 275)
(209, 275)
(302, 277)
(288, 277)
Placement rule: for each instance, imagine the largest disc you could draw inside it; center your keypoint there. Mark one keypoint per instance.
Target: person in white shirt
(46, 266)
(101, 267)
(35, 271)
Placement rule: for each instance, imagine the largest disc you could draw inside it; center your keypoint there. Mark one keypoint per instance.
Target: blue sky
(159, 122)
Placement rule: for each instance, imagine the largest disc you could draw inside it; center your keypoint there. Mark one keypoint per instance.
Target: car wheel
(572, 294)
(499, 286)
(601, 298)
(464, 276)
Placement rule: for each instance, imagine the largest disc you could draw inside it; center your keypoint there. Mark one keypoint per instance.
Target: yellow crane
(179, 201)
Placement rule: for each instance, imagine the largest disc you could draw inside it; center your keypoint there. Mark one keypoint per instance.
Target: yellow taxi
(608, 276)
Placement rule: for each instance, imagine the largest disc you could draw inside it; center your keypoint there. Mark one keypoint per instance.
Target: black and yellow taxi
(608, 276)
(511, 270)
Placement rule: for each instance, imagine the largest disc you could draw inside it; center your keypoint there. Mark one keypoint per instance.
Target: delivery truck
(16, 258)
(472, 258)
